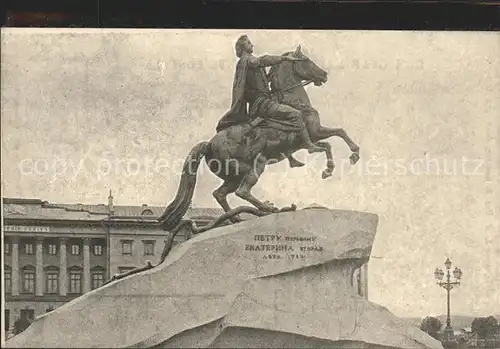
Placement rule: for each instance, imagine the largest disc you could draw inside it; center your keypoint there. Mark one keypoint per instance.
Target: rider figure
(252, 86)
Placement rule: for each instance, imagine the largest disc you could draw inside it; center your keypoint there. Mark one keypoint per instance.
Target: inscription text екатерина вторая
(280, 247)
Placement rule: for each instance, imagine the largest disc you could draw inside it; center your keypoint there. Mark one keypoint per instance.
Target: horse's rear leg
(251, 178)
(292, 162)
(220, 194)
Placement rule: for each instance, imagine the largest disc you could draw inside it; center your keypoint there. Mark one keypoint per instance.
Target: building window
(29, 280)
(52, 249)
(126, 247)
(28, 248)
(75, 281)
(97, 250)
(8, 280)
(97, 279)
(149, 248)
(75, 249)
(28, 314)
(52, 281)
(6, 248)
(7, 320)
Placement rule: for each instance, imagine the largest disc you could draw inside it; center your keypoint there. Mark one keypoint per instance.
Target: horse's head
(306, 69)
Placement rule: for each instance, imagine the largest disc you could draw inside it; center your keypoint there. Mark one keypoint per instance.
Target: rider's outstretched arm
(265, 61)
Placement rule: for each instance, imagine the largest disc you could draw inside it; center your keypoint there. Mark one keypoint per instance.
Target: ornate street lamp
(448, 286)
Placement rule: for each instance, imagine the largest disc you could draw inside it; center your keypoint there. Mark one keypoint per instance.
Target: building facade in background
(54, 253)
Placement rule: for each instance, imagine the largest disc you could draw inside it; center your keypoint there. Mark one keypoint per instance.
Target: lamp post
(448, 285)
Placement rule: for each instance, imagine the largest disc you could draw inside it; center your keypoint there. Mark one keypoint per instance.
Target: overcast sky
(87, 111)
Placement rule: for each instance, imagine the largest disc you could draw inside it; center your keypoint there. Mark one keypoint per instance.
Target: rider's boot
(253, 123)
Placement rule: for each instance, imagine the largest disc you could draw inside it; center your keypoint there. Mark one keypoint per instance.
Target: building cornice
(50, 221)
(45, 298)
(106, 221)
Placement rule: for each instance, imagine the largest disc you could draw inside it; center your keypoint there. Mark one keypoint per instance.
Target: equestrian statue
(270, 118)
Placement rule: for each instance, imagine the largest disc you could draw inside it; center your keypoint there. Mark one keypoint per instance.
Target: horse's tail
(176, 210)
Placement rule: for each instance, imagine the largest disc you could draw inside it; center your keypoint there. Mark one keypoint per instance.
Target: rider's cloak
(238, 112)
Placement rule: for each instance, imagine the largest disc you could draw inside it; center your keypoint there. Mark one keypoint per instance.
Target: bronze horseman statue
(270, 118)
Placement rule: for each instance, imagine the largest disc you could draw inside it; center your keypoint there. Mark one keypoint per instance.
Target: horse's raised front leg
(251, 178)
(330, 164)
(327, 132)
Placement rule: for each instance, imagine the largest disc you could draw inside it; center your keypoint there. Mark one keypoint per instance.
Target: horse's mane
(274, 67)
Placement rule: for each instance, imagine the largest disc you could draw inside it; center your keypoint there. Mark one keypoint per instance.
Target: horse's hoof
(354, 158)
(326, 173)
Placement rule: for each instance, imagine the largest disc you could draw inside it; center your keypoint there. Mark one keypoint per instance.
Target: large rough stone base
(283, 280)
(259, 338)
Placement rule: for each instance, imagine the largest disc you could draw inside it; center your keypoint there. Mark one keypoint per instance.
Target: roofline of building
(146, 218)
(46, 204)
(22, 201)
(138, 220)
(102, 217)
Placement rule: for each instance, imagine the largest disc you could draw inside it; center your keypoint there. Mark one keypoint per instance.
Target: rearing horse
(239, 154)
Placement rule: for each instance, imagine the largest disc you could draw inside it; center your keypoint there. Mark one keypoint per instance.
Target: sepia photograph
(204, 188)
